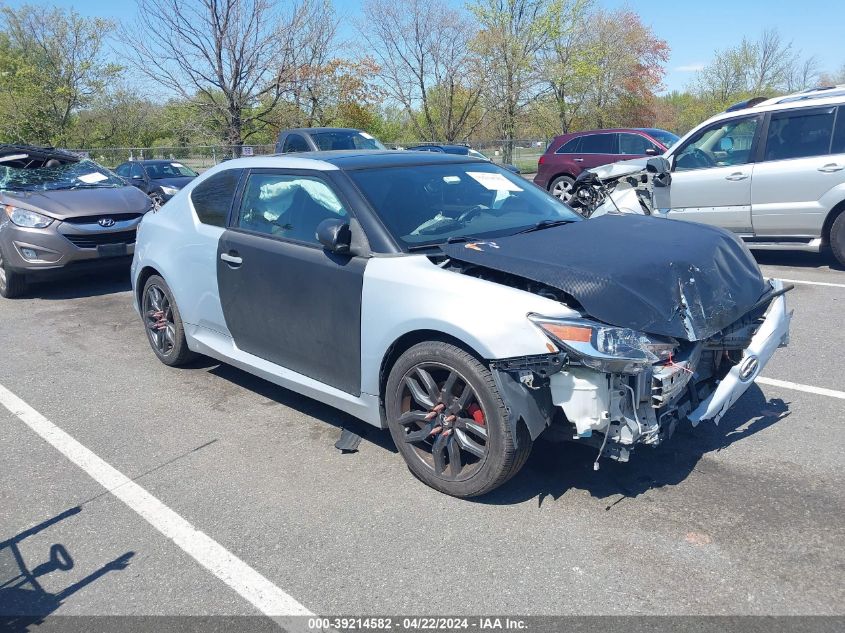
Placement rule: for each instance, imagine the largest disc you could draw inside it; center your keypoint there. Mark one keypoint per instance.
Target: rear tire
(837, 238)
(163, 323)
(469, 429)
(12, 284)
(561, 188)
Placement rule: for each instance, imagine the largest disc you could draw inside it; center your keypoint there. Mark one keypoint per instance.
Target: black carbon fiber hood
(654, 275)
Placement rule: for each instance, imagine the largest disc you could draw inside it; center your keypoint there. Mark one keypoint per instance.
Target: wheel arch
(834, 213)
(406, 342)
(556, 176)
(145, 273)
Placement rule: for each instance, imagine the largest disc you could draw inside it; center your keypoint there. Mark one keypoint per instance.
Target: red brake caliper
(477, 414)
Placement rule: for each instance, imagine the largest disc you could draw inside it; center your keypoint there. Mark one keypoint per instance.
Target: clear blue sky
(693, 28)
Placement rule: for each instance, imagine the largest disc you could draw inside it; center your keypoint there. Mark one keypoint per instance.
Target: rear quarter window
(213, 197)
(570, 147)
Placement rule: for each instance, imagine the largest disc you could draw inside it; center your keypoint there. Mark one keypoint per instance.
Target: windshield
(328, 141)
(667, 138)
(169, 170)
(84, 174)
(430, 204)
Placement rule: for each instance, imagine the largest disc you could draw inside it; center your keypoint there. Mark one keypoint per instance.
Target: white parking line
(263, 594)
(821, 391)
(812, 283)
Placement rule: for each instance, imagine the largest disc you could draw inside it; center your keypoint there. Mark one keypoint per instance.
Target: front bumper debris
(773, 333)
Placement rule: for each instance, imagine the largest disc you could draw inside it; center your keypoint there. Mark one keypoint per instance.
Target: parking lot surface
(743, 518)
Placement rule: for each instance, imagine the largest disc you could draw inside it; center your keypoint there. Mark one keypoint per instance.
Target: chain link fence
(526, 152)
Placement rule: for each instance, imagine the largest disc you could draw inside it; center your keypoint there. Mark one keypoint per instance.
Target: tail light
(542, 160)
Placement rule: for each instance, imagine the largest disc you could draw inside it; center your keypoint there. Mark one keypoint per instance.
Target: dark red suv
(570, 154)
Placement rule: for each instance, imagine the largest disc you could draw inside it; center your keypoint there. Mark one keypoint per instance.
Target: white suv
(772, 171)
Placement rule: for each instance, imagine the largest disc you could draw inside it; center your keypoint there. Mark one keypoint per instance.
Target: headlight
(27, 219)
(606, 348)
(169, 191)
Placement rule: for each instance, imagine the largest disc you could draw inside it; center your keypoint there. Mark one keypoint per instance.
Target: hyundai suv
(570, 154)
(59, 212)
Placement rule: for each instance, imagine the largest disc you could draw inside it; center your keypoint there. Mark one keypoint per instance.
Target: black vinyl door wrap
(294, 305)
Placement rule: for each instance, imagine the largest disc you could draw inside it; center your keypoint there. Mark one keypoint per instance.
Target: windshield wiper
(544, 224)
(455, 239)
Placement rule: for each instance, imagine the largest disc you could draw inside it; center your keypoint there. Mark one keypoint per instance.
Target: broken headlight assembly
(27, 219)
(606, 348)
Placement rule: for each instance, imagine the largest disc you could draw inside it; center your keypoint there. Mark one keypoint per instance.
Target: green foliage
(52, 66)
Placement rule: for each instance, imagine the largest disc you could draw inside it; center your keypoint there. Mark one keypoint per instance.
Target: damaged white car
(454, 303)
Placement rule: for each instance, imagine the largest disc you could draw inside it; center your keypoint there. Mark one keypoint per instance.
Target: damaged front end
(615, 388)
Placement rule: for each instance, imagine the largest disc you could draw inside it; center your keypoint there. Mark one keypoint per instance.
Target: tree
(234, 58)
(425, 65)
(626, 66)
(513, 33)
(566, 63)
(763, 67)
(51, 66)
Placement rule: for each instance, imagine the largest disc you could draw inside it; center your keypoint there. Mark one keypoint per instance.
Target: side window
(838, 145)
(295, 143)
(136, 171)
(635, 144)
(122, 170)
(287, 206)
(799, 133)
(598, 144)
(572, 146)
(719, 145)
(212, 198)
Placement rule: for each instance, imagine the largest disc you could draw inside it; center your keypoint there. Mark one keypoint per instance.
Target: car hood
(659, 276)
(177, 182)
(63, 204)
(622, 168)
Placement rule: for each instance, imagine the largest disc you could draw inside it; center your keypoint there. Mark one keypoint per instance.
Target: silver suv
(772, 171)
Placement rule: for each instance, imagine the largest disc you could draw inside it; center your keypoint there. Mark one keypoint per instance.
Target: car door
(711, 175)
(285, 298)
(598, 149)
(796, 168)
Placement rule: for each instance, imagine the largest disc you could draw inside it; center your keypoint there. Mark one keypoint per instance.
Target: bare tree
(425, 64)
(233, 58)
(513, 33)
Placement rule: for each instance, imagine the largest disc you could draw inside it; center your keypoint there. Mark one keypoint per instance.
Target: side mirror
(661, 169)
(651, 152)
(141, 178)
(513, 168)
(658, 165)
(334, 235)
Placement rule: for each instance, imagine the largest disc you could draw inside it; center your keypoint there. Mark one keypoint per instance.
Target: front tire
(12, 284)
(165, 330)
(561, 188)
(449, 422)
(837, 238)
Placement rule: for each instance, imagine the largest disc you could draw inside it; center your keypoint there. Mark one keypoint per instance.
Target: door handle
(232, 260)
(831, 167)
(738, 175)
(578, 160)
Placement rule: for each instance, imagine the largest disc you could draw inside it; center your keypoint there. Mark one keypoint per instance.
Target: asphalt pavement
(743, 518)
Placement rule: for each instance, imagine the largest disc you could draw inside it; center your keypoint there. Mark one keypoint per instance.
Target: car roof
(154, 161)
(363, 159)
(311, 130)
(343, 159)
